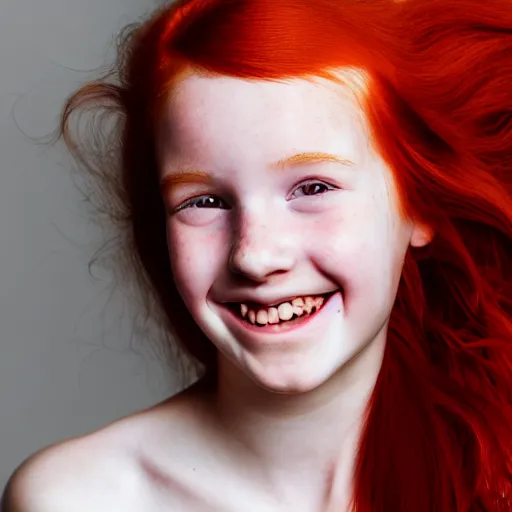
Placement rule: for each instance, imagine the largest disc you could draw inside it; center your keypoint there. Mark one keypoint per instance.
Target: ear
(421, 235)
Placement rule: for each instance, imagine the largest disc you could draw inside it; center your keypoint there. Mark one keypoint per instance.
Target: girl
(317, 195)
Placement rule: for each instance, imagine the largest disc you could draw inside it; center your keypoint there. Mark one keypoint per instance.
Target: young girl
(318, 194)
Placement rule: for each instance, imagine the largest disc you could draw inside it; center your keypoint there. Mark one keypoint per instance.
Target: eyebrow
(312, 158)
(186, 176)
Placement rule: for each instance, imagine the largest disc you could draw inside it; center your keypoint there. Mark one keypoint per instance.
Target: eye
(312, 188)
(206, 202)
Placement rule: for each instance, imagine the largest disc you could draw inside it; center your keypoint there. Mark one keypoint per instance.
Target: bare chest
(202, 487)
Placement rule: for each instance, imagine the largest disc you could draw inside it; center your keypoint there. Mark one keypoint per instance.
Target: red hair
(439, 423)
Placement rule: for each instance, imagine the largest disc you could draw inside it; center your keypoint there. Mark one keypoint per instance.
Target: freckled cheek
(196, 257)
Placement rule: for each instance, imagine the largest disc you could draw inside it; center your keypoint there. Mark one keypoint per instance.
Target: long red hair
(438, 432)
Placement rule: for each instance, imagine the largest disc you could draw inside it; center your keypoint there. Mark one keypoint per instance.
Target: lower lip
(333, 302)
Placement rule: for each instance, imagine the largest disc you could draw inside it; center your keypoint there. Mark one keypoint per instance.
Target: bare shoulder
(78, 474)
(108, 470)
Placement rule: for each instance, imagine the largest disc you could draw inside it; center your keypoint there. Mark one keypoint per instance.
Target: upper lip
(267, 301)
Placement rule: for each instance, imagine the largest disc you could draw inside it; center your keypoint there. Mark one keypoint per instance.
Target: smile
(280, 317)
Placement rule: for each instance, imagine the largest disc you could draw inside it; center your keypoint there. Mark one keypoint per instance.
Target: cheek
(195, 257)
(363, 249)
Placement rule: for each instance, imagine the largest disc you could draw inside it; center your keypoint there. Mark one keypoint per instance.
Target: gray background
(70, 359)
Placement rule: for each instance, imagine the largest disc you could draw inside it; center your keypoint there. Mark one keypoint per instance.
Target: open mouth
(286, 313)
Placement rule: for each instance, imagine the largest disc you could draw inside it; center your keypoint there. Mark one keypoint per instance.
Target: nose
(262, 247)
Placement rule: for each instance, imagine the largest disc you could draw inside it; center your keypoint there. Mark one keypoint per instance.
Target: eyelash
(191, 203)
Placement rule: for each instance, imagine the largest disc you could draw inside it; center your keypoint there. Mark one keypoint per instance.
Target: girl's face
(278, 206)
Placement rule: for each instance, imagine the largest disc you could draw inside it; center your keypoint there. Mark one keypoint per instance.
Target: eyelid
(310, 181)
(188, 203)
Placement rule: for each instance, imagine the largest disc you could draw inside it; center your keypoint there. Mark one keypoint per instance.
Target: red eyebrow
(185, 176)
(312, 158)
(181, 177)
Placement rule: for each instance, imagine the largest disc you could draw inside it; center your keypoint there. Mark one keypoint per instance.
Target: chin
(327, 368)
(290, 375)
(291, 386)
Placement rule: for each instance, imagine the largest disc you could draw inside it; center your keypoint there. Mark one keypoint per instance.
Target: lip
(271, 332)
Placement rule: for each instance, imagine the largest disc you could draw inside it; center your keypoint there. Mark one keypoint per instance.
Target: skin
(281, 431)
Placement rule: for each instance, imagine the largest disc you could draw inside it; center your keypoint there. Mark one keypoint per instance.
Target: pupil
(314, 188)
(208, 201)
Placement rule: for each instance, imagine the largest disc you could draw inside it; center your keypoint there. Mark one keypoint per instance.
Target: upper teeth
(284, 311)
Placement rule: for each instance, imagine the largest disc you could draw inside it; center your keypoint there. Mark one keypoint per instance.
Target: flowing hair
(438, 428)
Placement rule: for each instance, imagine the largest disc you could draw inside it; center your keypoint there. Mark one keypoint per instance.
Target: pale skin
(281, 432)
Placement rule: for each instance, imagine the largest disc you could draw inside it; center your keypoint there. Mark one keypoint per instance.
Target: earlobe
(421, 235)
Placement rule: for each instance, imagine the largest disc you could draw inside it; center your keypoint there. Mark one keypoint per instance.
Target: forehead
(230, 118)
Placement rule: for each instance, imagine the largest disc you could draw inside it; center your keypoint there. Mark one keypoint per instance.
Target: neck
(305, 441)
